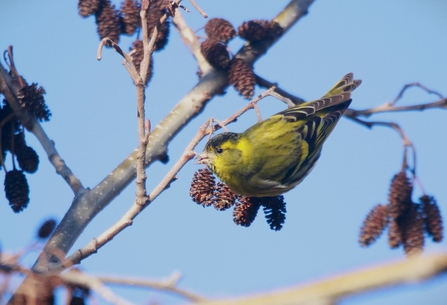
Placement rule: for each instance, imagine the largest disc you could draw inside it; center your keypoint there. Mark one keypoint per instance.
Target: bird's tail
(346, 85)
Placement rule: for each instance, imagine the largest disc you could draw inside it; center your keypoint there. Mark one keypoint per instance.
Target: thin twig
(199, 9)
(388, 107)
(93, 201)
(10, 89)
(190, 39)
(82, 279)
(127, 219)
(415, 84)
(406, 141)
(127, 62)
(247, 107)
(290, 99)
(169, 285)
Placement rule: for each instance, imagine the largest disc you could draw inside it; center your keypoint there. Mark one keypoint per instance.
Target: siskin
(276, 154)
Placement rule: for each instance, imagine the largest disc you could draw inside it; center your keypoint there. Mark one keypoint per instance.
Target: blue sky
(385, 43)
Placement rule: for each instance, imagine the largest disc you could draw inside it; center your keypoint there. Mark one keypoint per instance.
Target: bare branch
(81, 279)
(406, 141)
(415, 84)
(169, 285)
(10, 89)
(199, 9)
(127, 219)
(190, 39)
(282, 95)
(127, 63)
(327, 291)
(84, 208)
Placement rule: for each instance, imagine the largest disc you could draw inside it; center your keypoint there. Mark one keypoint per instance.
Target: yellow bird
(276, 154)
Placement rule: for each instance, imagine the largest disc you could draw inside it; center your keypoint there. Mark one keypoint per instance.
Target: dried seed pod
(28, 159)
(220, 29)
(256, 30)
(88, 7)
(245, 211)
(156, 10)
(224, 197)
(46, 229)
(394, 234)
(130, 10)
(108, 20)
(399, 197)
(413, 230)
(274, 210)
(215, 53)
(137, 58)
(138, 55)
(433, 218)
(31, 99)
(373, 225)
(10, 126)
(241, 76)
(17, 190)
(202, 187)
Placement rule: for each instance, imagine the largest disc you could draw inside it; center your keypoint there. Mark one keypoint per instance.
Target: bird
(276, 154)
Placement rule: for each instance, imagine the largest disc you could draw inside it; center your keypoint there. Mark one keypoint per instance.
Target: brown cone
(88, 7)
(245, 211)
(399, 197)
(156, 10)
(202, 187)
(256, 30)
(46, 229)
(130, 10)
(374, 224)
(275, 211)
(433, 218)
(215, 53)
(17, 190)
(108, 21)
(394, 234)
(28, 159)
(241, 76)
(224, 197)
(220, 29)
(31, 99)
(413, 230)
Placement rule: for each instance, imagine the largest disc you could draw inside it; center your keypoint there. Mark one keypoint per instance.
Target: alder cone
(241, 76)
(220, 29)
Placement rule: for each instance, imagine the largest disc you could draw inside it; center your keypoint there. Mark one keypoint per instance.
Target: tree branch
(169, 285)
(10, 89)
(127, 219)
(85, 207)
(328, 291)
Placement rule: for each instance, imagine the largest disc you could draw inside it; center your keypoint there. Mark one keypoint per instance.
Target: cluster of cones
(206, 192)
(219, 32)
(30, 98)
(407, 222)
(113, 23)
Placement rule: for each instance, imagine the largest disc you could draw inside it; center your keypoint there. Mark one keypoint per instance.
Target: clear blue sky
(385, 43)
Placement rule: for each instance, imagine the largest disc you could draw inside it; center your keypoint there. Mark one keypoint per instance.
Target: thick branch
(87, 206)
(127, 219)
(408, 271)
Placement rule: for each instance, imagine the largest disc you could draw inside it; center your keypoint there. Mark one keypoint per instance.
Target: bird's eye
(219, 150)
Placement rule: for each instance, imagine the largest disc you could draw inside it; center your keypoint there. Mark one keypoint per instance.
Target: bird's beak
(202, 158)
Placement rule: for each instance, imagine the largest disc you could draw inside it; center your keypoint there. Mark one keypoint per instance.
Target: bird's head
(221, 152)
